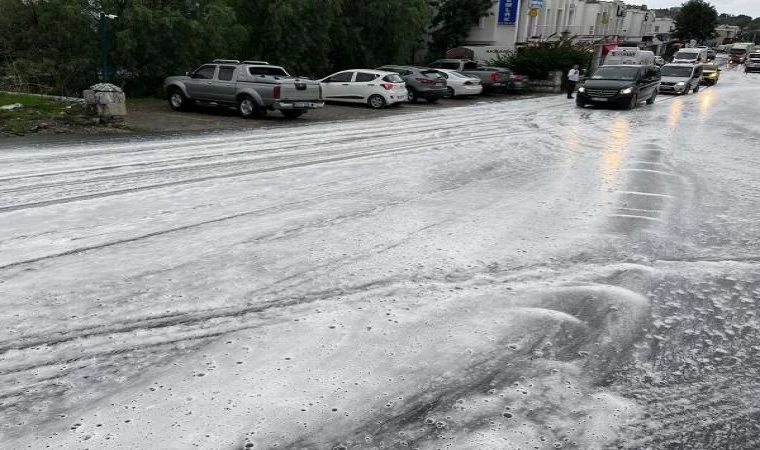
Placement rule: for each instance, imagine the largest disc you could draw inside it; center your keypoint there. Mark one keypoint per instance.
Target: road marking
(649, 171)
(632, 216)
(646, 194)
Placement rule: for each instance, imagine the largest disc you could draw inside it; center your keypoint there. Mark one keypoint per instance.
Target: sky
(748, 7)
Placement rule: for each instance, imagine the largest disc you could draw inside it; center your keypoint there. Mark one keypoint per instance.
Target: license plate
(598, 99)
(300, 105)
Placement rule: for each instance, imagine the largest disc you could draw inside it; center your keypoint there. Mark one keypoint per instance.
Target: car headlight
(681, 83)
(581, 89)
(626, 91)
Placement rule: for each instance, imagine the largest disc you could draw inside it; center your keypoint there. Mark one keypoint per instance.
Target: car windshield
(710, 68)
(431, 74)
(689, 56)
(616, 73)
(678, 72)
(738, 51)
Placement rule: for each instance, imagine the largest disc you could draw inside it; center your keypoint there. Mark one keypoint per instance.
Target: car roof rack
(256, 62)
(227, 61)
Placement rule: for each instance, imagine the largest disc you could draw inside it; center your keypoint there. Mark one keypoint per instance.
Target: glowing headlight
(626, 91)
(681, 83)
(581, 89)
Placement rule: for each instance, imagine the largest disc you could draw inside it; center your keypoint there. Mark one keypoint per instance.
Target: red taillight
(277, 92)
(387, 86)
(425, 81)
(494, 76)
(468, 83)
(515, 78)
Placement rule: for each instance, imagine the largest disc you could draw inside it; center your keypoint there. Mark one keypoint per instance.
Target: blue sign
(508, 12)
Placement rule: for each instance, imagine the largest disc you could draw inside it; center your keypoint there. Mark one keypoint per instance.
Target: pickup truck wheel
(292, 113)
(376, 101)
(248, 108)
(177, 100)
(412, 96)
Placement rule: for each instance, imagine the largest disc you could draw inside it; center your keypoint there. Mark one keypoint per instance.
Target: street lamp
(103, 23)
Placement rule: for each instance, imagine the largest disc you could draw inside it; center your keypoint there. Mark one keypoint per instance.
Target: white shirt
(573, 75)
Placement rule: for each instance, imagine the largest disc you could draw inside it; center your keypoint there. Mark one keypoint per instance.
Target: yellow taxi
(710, 74)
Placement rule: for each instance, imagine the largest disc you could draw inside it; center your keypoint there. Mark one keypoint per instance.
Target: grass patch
(39, 113)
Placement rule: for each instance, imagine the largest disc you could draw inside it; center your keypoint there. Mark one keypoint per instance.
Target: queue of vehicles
(630, 76)
(257, 87)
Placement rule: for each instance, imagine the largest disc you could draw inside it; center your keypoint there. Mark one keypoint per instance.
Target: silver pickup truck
(254, 87)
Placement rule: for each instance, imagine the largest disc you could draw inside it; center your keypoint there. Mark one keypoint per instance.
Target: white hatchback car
(375, 88)
(459, 84)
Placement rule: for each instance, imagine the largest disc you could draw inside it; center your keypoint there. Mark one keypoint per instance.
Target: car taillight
(387, 86)
(494, 76)
(515, 78)
(425, 81)
(468, 83)
(277, 92)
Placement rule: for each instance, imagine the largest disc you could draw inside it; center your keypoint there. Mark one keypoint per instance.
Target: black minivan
(620, 85)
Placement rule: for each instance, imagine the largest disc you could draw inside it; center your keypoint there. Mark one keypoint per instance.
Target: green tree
(697, 19)
(453, 21)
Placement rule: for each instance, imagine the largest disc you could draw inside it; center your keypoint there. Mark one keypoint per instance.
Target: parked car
(710, 74)
(491, 79)
(253, 87)
(620, 85)
(459, 84)
(377, 89)
(421, 82)
(752, 64)
(515, 83)
(680, 78)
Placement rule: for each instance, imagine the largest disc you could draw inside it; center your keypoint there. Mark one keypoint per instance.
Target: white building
(664, 25)
(511, 23)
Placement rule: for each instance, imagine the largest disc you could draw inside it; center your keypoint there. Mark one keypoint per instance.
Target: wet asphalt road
(500, 276)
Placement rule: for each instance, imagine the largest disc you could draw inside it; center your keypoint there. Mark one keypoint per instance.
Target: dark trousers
(570, 88)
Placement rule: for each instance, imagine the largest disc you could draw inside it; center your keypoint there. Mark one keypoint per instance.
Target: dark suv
(620, 85)
(421, 82)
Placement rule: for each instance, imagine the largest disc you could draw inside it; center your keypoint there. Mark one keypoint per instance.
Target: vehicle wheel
(580, 104)
(696, 89)
(376, 101)
(634, 102)
(412, 96)
(449, 93)
(177, 100)
(651, 99)
(248, 108)
(292, 113)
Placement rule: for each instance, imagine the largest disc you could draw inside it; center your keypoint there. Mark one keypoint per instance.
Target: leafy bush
(538, 62)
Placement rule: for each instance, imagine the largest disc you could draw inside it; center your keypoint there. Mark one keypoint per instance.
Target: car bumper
(521, 86)
(468, 90)
(616, 100)
(673, 89)
(396, 98)
(497, 86)
(305, 104)
(433, 94)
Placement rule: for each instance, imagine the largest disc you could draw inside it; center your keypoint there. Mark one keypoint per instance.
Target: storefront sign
(508, 11)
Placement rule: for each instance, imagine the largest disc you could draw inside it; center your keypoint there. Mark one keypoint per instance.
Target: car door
(200, 82)
(364, 85)
(337, 86)
(696, 76)
(649, 83)
(223, 85)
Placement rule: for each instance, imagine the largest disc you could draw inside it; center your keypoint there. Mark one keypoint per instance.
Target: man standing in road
(572, 79)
